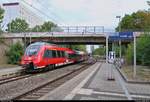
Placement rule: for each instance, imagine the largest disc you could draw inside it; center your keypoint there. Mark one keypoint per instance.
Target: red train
(44, 56)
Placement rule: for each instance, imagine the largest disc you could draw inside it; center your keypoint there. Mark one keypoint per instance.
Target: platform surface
(93, 84)
(5, 71)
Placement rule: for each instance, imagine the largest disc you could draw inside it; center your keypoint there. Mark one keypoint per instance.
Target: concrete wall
(4, 45)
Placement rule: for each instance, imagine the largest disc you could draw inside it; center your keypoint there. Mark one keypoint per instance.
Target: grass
(142, 73)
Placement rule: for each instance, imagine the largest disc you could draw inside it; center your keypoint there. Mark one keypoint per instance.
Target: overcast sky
(85, 12)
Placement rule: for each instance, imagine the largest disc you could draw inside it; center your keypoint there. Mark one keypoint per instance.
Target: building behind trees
(19, 10)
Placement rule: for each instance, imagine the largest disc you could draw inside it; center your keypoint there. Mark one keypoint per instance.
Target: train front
(31, 57)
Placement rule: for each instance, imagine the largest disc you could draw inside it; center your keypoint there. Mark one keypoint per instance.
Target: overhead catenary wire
(56, 16)
(40, 11)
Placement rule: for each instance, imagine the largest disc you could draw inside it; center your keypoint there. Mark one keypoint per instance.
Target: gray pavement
(99, 80)
(9, 71)
(92, 84)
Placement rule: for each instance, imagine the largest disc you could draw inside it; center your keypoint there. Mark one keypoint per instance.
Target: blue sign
(122, 36)
(125, 35)
(114, 38)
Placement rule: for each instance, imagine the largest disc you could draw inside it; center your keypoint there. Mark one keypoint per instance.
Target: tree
(14, 53)
(99, 51)
(37, 28)
(138, 21)
(47, 26)
(129, 54)
(18, 25)
(78, 47)
(1, 17)
(142, 43)
(146, 55)
(142, 51)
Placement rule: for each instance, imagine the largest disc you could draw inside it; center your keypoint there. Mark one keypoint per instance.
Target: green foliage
(46, 27)
(142, 51)
(18, 25)
(139, 21)
(1, 15)
(99, 51)
(78, 47)
(37, 28)
(129, 54)
(1, 18)
(14, 53)
(117, 50)
(142, 47)
(146, 56)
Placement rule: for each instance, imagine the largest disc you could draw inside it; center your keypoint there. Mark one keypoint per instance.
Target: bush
(129, 54)
(14, 53)
(99, 51)
(142, 51)
(146, 55)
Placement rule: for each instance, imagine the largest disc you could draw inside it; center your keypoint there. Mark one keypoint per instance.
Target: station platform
(5, 72)
(92, 84)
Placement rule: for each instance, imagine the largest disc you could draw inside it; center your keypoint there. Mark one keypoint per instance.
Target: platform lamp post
(119, 31)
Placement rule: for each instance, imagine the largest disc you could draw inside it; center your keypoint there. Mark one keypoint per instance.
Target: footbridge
(66, 35)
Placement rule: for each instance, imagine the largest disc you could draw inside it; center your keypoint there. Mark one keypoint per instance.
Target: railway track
(16, 77)
(11, 79)
(41, 90)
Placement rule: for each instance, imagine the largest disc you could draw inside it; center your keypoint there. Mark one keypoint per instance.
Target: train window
(48, 54)
(54, 53)
(59, 53)
(32, 50)
(63, 53)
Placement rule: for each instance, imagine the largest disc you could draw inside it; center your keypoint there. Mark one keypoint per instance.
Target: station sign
(126, 35)
(122, 36)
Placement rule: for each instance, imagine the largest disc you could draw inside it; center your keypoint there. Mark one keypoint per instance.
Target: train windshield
(32, 50)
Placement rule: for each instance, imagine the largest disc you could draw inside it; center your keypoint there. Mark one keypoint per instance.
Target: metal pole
(10, 22)
(106, 49)
(120, 47)
(134, 70)
(24, 41)
(112, 48)
(120, 31)
(30, 38)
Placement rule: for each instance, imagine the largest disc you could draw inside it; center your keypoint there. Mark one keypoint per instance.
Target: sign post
(111, 59)
(134, 70)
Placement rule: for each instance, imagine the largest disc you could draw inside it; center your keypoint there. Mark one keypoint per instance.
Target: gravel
(12, 89)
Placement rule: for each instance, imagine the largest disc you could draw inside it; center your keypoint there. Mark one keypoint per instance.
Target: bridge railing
(79, 29)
